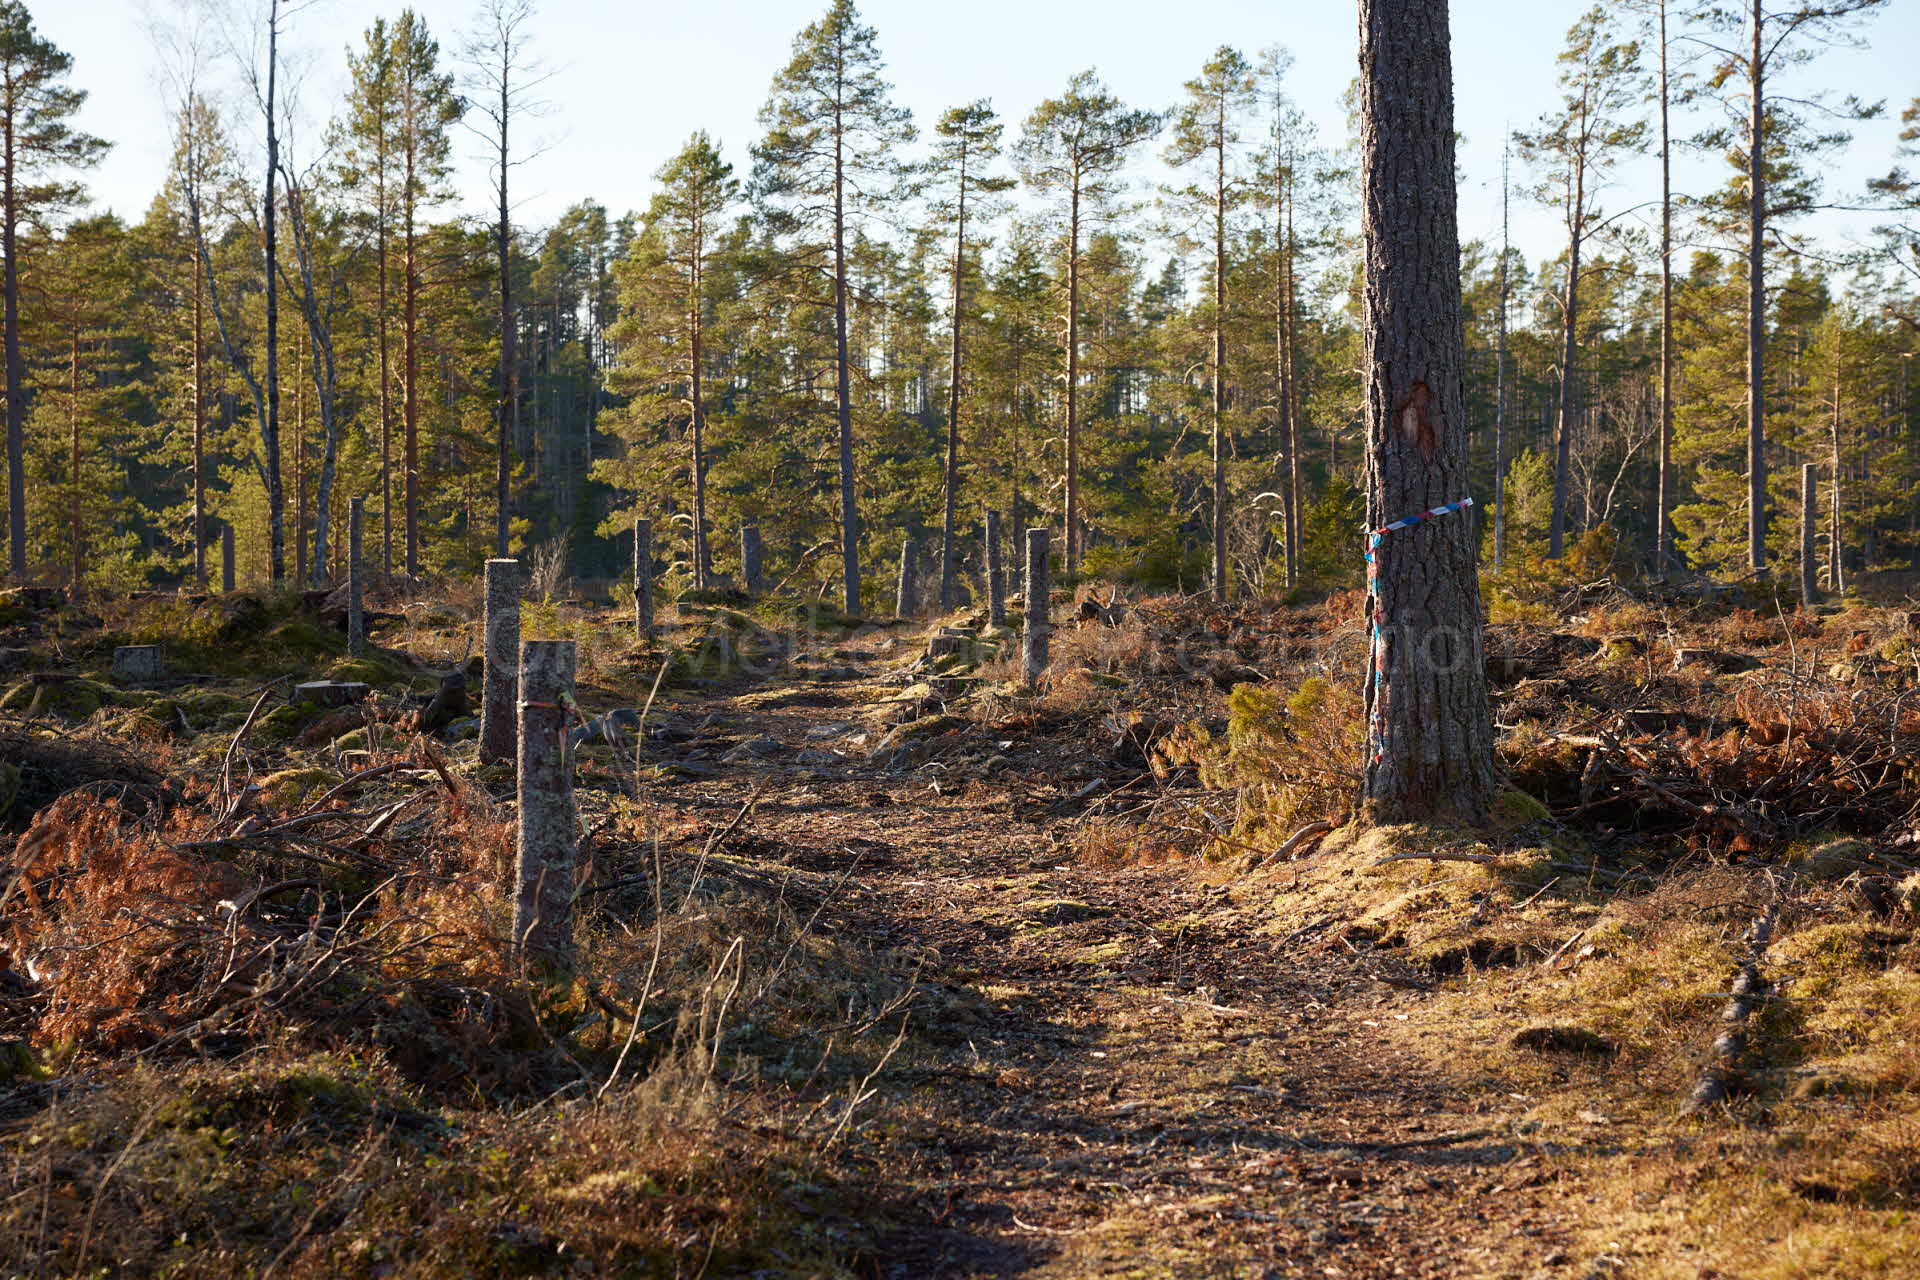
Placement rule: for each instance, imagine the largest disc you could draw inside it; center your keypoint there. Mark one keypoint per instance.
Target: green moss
(301, 637)
(291, 788)
(369, 671)
(1518, 807)
(74, 699)
(282, 723)
(385, 737)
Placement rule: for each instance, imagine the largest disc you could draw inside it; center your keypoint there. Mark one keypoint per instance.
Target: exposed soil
(1147, 1090)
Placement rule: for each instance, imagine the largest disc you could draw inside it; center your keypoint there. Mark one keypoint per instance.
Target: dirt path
(1145, 1091)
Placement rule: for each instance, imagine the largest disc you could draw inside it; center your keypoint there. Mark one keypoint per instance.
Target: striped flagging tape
(1378, 730)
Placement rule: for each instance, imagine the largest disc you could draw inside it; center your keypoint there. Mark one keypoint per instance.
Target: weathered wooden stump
(226, 558)
(996, 574)
(356, 611)
(1033, 640)
(138, 663)
(502, 627)
(946, 643)
(546, 852)
(642, 580)
(909, 592)
(750, 560)
(331, 693)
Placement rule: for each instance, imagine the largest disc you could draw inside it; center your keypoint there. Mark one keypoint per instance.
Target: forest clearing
(1111, 699)
(983, 984)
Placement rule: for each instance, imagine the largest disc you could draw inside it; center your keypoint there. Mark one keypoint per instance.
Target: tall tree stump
(642, 580)
(904, 605)
(226, 558)
(356, 606)
(1809, 519)
(546, 853)
(750, 560)
(497, 718)
(1033, 640)
(996, 574)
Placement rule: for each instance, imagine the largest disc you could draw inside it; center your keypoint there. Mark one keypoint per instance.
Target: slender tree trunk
(702, 556)
(1073, 381)
(1756, 303)
(1836, 561)
(386, 374)
(299, 466)
(1809, 521)
(16, 367)
(1663, 498)
(1569, 357)
(1296, 399)
(1500, 380)
(410, 339)
(1220, 357)
(1431, 735)
(509, 399)
(270, 440)
(199, 425)
(842, 384)
(73, 460)
(947, 566)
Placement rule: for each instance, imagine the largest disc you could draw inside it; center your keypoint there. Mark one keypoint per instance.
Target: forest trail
(1147, 1091)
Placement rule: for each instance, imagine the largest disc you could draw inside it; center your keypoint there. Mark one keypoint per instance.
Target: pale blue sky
(634, 78)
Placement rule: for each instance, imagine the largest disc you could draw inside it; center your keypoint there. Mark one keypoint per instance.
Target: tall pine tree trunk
(1569, 359)
(1073, 382)
(16, 367)
(386, 374)
(410, 372)
(842, 384)
(1431, 735)
(270, 431)
(1756, 302)
(696, 337)
(1500, 381)
(509, 400)
(199, 422)
(1836, 562)
(1220, 358)
(947, 566)
(1663, 497)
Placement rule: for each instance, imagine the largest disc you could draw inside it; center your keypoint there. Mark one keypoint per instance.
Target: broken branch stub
(546, 851)
(1033, 646)
(502, 663)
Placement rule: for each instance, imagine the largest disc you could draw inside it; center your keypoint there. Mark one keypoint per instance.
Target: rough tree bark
(1430, 754)
(1756, 303)
(996, 574)
(356, 579)
(750, 560)
(502, 628)
(1809, 520)
(1033, 646)
(546, 852)
(642, 581)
